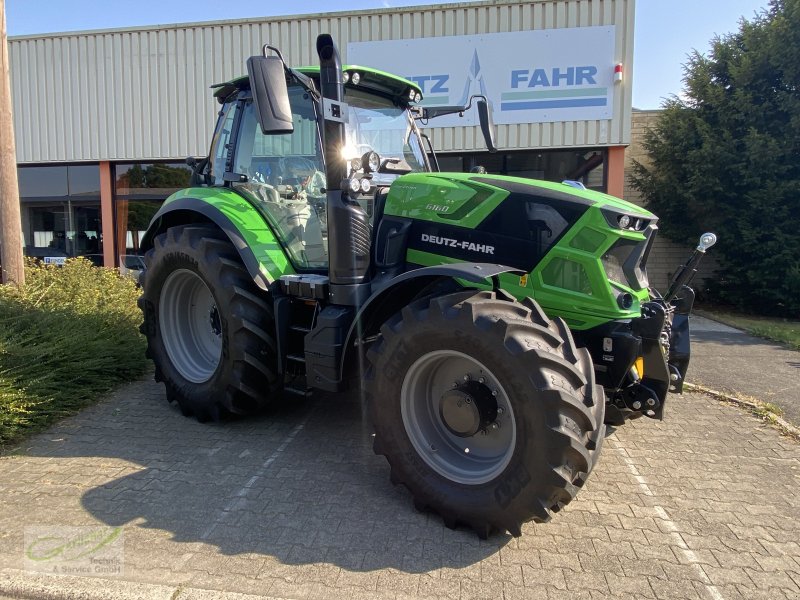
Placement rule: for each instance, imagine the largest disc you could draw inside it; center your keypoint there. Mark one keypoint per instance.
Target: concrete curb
(29, 585)
(751, 405)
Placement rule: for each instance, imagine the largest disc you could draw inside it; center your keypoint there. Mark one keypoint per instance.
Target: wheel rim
(463, 458)
(190, 325)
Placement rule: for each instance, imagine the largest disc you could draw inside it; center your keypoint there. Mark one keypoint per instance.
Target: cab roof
(371, 79)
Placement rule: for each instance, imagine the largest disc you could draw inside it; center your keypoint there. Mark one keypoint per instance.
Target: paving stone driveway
(295, 505)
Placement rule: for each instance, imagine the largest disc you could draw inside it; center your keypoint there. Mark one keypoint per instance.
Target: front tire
(485, 409)
(209, 329)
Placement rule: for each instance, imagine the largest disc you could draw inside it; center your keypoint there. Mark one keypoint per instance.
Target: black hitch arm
(687, 272)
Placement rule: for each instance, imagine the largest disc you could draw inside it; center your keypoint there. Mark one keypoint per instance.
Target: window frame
(227, 107)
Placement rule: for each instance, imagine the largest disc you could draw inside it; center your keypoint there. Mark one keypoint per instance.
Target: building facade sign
(529, 76)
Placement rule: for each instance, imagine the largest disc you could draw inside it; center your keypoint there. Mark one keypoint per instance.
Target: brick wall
(666, 255)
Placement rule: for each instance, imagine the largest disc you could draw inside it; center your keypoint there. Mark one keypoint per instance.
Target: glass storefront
(61, 212)
(139, 190)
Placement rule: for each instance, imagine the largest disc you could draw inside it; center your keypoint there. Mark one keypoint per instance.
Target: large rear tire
(209, 329)
(485, 409)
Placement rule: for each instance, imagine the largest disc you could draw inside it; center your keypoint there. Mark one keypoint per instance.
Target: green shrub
(66, 337)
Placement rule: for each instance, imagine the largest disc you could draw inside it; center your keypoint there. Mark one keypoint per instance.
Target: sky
(666, 31)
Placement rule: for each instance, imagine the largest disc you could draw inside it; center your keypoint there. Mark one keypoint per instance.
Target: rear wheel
(209, 329)
(485, 409)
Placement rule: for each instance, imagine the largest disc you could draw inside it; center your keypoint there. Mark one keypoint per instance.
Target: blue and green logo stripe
(597, 96)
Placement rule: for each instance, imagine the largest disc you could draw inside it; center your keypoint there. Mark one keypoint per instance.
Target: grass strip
(765, 411)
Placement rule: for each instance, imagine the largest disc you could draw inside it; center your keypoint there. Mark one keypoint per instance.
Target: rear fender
(247, 229)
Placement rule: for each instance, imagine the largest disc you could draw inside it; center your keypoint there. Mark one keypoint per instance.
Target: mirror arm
(306, 82)
(301, 78)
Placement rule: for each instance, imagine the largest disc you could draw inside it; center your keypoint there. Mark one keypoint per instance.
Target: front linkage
(638, 361)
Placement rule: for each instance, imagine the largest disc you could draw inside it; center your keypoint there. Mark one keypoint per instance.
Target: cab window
(286, 178)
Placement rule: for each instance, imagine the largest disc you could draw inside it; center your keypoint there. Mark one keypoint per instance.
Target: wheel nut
(499, 410)
(466, 377)
(674, 377)
(651, 402)
(494, 392)
(481, 380)
(637, 405)
(495, 426)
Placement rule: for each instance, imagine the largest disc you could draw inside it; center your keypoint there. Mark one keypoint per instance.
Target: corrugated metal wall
(143, 93)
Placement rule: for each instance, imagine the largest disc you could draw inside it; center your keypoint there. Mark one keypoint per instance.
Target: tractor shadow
(299, 483)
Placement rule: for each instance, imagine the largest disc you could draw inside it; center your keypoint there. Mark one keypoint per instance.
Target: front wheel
(485, 409)
(209, 329)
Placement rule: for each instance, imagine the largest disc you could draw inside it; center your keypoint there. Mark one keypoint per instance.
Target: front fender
(247, 229)
(392, 295)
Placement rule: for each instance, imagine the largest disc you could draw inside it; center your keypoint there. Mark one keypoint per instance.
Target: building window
(139, 190)
(61, 211)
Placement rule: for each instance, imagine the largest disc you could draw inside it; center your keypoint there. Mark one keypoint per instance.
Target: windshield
(377, 124)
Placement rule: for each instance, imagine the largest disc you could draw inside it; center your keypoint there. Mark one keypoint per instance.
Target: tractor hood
(535, 186)
(468, 198)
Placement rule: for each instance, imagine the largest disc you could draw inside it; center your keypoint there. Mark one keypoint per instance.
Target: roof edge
(270, 19)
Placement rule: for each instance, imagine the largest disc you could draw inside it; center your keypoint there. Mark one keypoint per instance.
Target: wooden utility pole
(10, 221)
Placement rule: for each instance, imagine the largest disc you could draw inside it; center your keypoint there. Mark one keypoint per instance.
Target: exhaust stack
(349, 236)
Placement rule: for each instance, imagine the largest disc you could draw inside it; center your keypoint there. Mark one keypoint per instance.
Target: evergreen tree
(725, 157)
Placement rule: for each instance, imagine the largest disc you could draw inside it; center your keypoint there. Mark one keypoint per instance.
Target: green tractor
(495, 324)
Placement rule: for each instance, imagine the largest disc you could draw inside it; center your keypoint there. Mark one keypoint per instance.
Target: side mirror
(487, 124)
(270, 94)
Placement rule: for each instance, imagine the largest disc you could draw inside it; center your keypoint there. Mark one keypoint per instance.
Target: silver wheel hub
(191, 326)
(457, 417)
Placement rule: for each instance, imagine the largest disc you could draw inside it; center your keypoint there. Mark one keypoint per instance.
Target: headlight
(411, 94)
(345, 77)
(371, 162)
(355, 185)
(624, 221)
(417, 97)
(355, 78)
(365, 185)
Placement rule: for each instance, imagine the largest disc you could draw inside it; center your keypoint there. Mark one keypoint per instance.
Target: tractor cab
(284, 174)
